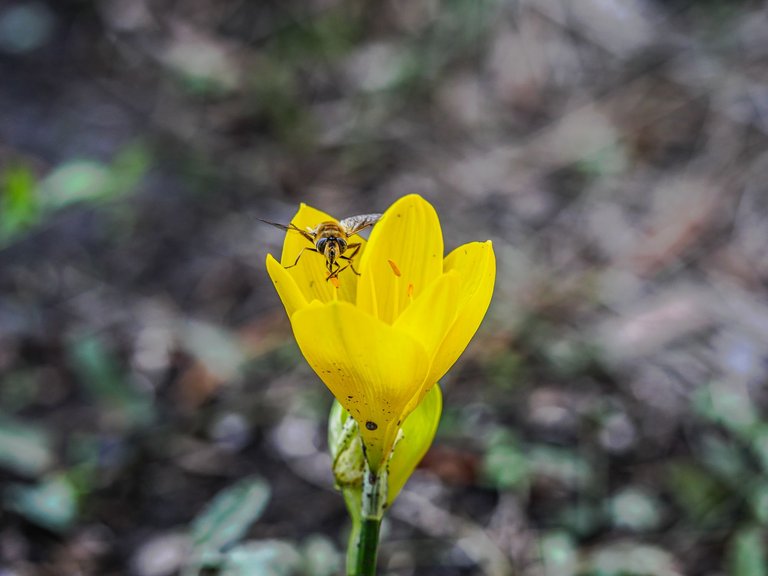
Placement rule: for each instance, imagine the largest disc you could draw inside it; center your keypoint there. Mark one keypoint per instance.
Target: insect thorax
(328, 230)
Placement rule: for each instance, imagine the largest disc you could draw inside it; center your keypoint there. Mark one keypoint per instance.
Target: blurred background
(609, 418)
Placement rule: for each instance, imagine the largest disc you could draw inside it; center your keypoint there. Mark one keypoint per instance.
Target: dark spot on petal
(371, 425)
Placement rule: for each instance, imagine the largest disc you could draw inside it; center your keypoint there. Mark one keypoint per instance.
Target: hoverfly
(331, 240)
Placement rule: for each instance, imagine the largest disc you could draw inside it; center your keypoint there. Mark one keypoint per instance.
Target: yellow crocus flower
(381, 340)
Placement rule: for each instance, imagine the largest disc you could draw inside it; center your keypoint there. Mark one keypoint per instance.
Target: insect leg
(299, 256)
(334, 273)
(355, 248)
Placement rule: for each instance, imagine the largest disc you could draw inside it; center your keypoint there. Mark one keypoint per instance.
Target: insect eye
(342, 245)
(321, 244)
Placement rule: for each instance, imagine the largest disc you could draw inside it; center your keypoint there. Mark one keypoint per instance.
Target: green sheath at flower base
(381, 341)
(418, 431)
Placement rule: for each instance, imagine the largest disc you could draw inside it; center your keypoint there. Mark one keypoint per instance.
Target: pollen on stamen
(335, 281)
(410, 290)
(395, 269)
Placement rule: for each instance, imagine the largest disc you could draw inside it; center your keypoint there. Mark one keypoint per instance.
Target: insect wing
(355, 224)
(288, 228)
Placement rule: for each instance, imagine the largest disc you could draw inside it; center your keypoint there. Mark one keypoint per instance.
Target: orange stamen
(395, 269)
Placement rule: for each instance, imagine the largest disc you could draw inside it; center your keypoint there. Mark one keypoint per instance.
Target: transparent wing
(354, 224)
(288, 228)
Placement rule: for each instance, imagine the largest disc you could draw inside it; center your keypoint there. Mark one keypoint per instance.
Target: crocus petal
(286, 287)
(310, 272)
(476, 265)
(418, 432)
(408, 236)
(429, 316)
(372, 368)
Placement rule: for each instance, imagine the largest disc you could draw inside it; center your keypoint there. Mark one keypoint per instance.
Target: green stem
(353, 499)
(366, 507)
(367, 547)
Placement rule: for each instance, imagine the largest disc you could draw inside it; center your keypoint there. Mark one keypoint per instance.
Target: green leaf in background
(321, 558)
(568, 356)
(631, 559)
(703, 497)
(505, 466)
(75, 181)
(561, 465)
(759, 445)
(505, 370)
(90, 181)
(725, 459)
(25, 202)
(265, 558)
(605, 161)
(558, 554)
(128, 168)
(24, 449)
(757, 496)
(635, 509)
(328, 35)
(229, 515)
(582, 517)
(215, 346)
(747, 554)
(51, 504)
(19, 208)
(729, 406)
(101, 375)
